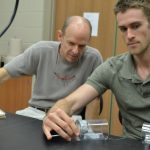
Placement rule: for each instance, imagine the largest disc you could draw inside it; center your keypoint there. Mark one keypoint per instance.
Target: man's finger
(68, 124)
(46, 129)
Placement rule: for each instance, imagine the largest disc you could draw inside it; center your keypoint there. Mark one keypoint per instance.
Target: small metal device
(146, 133)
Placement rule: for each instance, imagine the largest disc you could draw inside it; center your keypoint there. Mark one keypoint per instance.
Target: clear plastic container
(93, 129)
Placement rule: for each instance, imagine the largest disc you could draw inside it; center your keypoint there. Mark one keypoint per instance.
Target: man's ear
(59, 35)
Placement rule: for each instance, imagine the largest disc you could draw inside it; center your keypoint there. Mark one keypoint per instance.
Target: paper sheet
(93, 17)
(2, 114)
(31, 112)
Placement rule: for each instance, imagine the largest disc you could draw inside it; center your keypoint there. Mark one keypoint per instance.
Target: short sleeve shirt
(132, 94)
(55, 78)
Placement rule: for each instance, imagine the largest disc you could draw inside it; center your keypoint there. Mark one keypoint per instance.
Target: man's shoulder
(93, 52)
(42, 44)
(122, 57)
(118, 61)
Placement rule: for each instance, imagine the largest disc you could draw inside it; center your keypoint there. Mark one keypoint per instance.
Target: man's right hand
(57, 120)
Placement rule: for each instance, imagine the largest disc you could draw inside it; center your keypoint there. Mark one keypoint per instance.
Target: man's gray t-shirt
(55, 78)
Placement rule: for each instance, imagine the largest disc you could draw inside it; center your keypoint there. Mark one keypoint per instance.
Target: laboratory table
(23, 133)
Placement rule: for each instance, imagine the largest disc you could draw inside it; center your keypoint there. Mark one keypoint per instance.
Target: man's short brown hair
(124, 5)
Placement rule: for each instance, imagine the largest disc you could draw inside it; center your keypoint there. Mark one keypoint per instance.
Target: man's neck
(142, 63)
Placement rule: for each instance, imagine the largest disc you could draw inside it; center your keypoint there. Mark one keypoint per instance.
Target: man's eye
(135, 26)
(71, 44)
(81, 46)
(123, 29)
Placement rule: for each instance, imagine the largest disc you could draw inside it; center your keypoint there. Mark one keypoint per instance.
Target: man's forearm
(65, 105)
(76, 100)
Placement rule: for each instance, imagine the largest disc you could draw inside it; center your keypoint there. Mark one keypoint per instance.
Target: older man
(59, 67)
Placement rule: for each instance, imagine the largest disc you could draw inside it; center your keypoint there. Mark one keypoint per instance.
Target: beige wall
(31, 24)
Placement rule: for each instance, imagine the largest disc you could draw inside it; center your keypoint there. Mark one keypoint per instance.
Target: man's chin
(134, 52)
(73, 60)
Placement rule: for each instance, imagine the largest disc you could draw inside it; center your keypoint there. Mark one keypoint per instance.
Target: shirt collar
(128, 70)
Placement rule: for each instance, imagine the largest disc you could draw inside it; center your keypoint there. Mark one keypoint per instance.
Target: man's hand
(61, 123)
(4, 75)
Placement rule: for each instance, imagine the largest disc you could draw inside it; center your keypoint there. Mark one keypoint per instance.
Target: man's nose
(130, 34)
(75, 49)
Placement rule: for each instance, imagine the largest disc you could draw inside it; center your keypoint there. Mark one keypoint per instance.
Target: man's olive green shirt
(132, 94)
